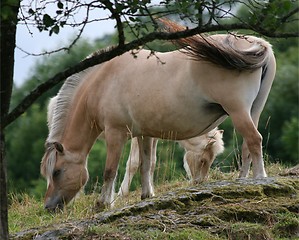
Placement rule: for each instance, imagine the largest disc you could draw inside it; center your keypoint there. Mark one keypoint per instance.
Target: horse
(175, 95)
(200, 153)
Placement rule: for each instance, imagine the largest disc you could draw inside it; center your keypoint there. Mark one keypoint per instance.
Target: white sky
(37, 42)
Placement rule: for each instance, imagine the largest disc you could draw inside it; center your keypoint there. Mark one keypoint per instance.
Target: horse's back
(167, 93)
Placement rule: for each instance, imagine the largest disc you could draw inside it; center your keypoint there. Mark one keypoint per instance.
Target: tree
(9, 13)
(269, 18)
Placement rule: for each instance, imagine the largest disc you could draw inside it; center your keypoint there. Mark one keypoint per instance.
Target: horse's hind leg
(256, 110)
(246, 161)
(145, 150)
(115, 142)
(253, 140)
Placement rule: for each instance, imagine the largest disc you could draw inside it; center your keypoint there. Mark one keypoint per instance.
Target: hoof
(123, 194)
(260, 176)
(100, 207)
(148, 195)
(197, 181)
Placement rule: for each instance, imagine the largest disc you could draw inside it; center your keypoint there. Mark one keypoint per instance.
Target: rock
(294, 171)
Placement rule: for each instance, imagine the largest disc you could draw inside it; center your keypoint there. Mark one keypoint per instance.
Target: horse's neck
(81, 131)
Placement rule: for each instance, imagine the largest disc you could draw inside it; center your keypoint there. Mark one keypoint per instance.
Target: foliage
(290, 138)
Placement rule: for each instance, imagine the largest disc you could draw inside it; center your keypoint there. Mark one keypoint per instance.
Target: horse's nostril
(49, 208)
(53, 205)
(56, 208)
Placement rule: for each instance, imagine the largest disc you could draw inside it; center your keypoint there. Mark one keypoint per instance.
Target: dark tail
(222, 50)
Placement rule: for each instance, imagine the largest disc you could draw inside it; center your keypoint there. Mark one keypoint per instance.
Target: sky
(36, 42)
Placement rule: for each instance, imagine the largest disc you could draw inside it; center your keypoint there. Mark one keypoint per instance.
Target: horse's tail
(224, 50)
(267, 78)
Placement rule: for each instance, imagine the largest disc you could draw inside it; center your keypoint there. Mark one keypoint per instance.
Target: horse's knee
(254, 145)
(109, 175)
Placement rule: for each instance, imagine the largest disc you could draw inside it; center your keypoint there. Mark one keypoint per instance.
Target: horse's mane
(61, 108)
(58, 109)
(220, 51)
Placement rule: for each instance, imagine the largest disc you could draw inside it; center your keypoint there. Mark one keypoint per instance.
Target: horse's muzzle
(54, 204)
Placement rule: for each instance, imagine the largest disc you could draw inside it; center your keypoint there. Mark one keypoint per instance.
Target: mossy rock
(246, 231)
(287, 226)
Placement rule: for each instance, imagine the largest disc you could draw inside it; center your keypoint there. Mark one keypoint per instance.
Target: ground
(239, 209)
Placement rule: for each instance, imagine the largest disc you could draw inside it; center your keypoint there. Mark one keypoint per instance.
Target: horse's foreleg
(187, 165)
(114, 142)
(132, 166)
(253, 139)
(145, 151)
(205, 169)
(153, 159)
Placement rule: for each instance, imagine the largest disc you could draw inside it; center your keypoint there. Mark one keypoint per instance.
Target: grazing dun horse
(200, 153)
(191, 93)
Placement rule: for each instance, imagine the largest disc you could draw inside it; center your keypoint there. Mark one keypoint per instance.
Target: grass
(26, 212)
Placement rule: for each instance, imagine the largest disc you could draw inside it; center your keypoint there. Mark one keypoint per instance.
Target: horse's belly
(177, 124)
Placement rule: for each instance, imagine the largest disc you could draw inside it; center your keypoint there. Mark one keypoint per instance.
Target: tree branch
(108, 55)
(116, 15)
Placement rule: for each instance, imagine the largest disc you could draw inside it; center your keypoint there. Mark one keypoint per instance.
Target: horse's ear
(58, 146)
(47, 145)
(210, 143)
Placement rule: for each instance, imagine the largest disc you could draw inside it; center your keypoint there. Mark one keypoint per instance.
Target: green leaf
(60, 5)
(48, 21)
(62, 23)
(31, 11)
(132, 19)
(55, 29)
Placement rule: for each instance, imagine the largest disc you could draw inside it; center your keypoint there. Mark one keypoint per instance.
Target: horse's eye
(56, 173)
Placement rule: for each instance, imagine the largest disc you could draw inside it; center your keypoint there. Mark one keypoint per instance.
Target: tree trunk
(3, 192)
(9, 12)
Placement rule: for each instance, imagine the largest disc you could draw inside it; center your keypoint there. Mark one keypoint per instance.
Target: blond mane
(58, 110)
(62, 106)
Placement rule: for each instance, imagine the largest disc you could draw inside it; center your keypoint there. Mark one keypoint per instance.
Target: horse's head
(214, 142)
(208, 147)
(66, 174)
